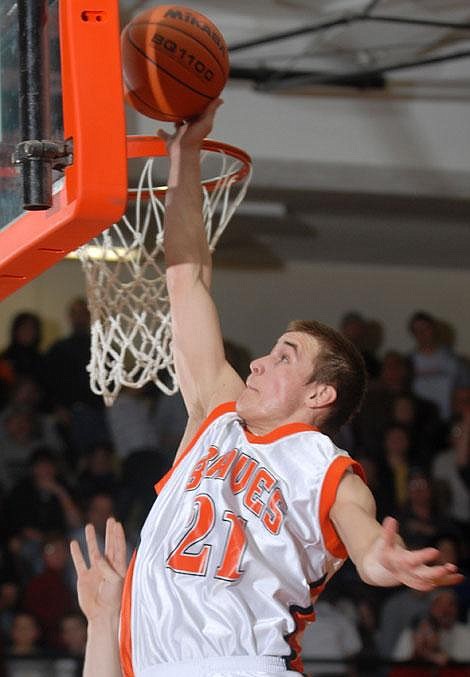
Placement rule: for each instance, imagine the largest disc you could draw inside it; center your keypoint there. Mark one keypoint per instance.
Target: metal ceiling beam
(356, 78)
(342, 21)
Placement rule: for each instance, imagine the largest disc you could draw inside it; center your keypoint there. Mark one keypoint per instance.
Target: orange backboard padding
(95, 188)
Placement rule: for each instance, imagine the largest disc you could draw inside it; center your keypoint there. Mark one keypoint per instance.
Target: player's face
(279, 384)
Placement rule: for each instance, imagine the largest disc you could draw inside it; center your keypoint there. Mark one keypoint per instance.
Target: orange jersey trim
(278, 433)
(125, 639)
(329, 490)
(230, 407)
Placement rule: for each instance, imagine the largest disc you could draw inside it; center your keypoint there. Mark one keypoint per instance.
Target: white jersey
(236, 548)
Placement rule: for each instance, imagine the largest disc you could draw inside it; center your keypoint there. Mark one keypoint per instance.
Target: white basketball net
(126, 285)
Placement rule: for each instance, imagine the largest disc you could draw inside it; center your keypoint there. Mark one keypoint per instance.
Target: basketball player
(260, 508)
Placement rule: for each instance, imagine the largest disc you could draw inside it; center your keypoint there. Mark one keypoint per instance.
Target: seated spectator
(398, 611)
(452, 549)
(332, 636)
(447, 474)
(42, 501)
(48, 595)
(393, 469)
(22, 353)
(356, 329)
(67, 384)
(437, 637)
(378, 409)
(25, 635)
(422, 519)
(97, 473)
(9, 593)
(73, 634)
(423, 426)
(131, 422)
(436, 369)
(19, 437)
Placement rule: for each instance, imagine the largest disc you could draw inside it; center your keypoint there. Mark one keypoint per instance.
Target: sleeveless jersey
(236, 548)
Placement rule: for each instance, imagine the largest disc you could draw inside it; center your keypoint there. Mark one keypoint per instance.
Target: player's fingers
(120, 549)
(390, 530)
(415, 558)
(77, 558)
(109, 539)
(92, 544)
(162, 134)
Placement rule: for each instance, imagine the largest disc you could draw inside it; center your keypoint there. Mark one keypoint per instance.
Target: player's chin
(245, 401)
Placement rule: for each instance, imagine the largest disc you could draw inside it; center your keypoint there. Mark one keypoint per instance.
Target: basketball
(175, 61)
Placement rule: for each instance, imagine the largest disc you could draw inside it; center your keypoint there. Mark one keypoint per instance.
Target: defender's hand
(99, 586)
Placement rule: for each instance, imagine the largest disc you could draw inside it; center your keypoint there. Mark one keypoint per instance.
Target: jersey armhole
(333, 476)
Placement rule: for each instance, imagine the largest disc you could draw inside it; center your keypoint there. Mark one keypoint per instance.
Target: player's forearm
(185, 238)
(102, 649)
(361, 533)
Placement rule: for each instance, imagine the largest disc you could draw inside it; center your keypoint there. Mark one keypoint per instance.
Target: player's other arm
(377, 550)
(205, 377)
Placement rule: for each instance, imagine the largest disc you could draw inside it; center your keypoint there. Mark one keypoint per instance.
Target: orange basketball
(175, 62)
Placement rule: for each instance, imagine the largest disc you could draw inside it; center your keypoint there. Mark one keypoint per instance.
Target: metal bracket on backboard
(54, 154)
(59, 154)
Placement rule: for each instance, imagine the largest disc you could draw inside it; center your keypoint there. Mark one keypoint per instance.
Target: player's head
(338, 364)
(313, 374)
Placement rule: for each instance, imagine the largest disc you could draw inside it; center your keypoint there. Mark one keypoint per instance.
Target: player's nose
(256, 366)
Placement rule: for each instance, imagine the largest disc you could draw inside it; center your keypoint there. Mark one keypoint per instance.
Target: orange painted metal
(94, 194)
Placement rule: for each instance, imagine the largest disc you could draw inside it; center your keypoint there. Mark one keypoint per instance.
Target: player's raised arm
(377, 550)
(205, 377)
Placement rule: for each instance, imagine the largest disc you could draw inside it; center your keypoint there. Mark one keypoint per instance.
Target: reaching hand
(99, 586)
(192, 133)
(413, 568)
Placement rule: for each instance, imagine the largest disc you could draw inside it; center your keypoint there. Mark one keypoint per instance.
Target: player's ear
(321, 395)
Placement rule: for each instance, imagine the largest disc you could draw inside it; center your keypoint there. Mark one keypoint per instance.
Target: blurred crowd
(66, 460)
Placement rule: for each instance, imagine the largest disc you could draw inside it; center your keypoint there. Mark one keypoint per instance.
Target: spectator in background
(447, 474)
(333, 636)
(393, 469)
(42, 502)
(22, 353)
(73, 634)
(422, 426)
(436, 369)
(68, 386)
(398, 611)
(422, 519)
(98, 473)
(357, 330)
(9, 593)
(380, 408)
(25, 635)
(48, 595)
(20, 435)
(437, 637)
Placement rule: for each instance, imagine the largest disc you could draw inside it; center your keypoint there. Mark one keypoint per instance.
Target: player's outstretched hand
(415, 568)
(192, 133)
(99, 585)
